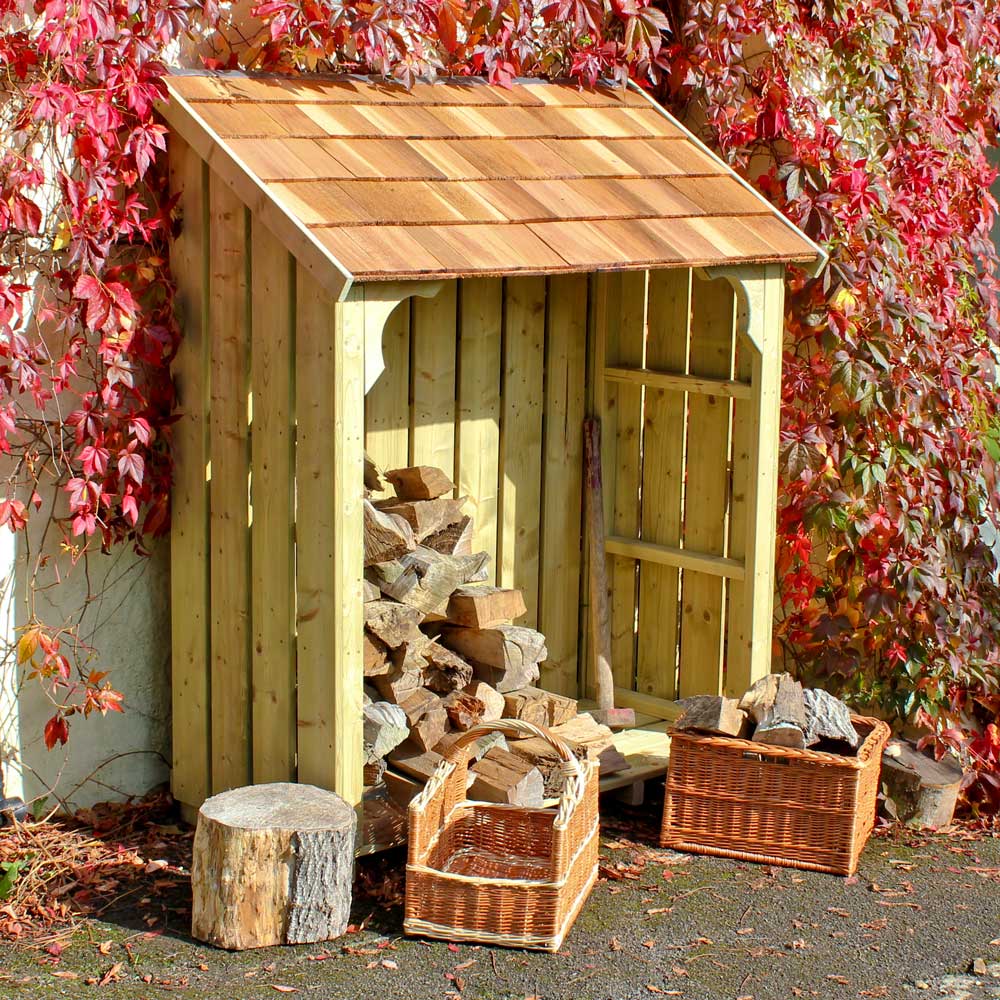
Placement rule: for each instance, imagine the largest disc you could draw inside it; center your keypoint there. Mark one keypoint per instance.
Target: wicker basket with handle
(777, 805)
(500, 874)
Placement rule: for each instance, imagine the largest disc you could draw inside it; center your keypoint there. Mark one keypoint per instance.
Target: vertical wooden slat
(755, 480)
(189, 538)
(479, 408)
(387, 405)
(521, 439)
(348, 553)
(562, 483)
(230, 536)
(713, 319)
(432, 349)
(662, 481)
(626, 334)
(329, 415)
(273, 498)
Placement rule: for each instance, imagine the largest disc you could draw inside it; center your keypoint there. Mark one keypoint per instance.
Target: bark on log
(828, 718)
(445, 671)
(463, 710)
(923, 791)
(419, 482)
(385, 727)
(483, 606)
(777, 704)
(713, 714)
(273, 864)
(455, 540)
(386, 536)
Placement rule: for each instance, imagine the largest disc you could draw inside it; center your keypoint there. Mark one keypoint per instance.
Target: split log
(455, 540)
(506, 657)
(401, 789)
(492, 700)
(420, 482)
(395, 625)
(425, 517)
(463, 710)
(828, 718)
(425, 579)
(413, 761)
(273, 864)
(426, 716)
(445, 671)
(483, 606)
(527, 704)
(923, 791)
(386, 536)
(501, 776)
(777, 705)
(385, 727)
(713, 714)
(376, 656)
(371, 592)
(397, 684)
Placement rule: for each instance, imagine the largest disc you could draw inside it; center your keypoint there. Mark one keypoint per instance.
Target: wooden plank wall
(265, 626)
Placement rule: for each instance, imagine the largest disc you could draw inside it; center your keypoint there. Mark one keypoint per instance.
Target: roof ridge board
(438, 223)
(414, 178)
(375, 78)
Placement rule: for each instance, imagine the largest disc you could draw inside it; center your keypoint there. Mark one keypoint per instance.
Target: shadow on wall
(126, 622)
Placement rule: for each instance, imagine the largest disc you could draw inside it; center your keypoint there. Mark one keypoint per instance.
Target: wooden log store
(456, 276)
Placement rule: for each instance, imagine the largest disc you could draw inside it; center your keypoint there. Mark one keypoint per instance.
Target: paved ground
(910, 925)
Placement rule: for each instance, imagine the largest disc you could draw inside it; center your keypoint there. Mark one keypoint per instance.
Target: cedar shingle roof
(462, 178)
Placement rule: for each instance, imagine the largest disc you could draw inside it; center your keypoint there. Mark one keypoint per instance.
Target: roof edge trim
(822, 257)
(298, 240)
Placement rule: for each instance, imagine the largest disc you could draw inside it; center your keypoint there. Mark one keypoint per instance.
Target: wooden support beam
(676, 382)
(760, 293)
(380, 300)
(668, 555)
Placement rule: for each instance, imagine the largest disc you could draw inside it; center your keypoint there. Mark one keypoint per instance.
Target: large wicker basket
(800, 808)
(500, 874)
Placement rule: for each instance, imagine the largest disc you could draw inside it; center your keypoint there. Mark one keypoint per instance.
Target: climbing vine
(865, 122)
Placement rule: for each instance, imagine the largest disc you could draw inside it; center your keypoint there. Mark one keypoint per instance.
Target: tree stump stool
(273, 864)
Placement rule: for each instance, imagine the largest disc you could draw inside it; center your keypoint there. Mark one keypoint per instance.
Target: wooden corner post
(329, 528)
(760, 294)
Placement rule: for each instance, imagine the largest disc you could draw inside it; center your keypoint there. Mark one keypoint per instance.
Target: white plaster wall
(127, 623)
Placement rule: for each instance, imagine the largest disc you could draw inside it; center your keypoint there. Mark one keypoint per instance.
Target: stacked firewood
(442, 652)
(777, 711)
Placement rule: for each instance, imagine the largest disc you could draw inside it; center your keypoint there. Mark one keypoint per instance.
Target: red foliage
(871, 120)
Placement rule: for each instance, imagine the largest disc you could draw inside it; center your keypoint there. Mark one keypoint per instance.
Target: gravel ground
(920, 919)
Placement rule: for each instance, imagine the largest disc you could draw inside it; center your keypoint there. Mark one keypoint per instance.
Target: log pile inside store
(442, 653)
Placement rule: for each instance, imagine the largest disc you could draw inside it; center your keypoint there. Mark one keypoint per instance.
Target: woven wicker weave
(800, 808)
(500, 874)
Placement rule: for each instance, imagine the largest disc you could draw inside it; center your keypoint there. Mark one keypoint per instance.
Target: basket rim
(867, 751)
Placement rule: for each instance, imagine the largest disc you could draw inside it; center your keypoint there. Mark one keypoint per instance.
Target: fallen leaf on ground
(112, 975)
(105, 947)
(283, 989)
(843, 980)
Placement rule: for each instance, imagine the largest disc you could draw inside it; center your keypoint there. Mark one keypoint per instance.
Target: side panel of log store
(266, 545)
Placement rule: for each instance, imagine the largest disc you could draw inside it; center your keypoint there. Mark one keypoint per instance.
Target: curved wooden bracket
(750, 283)
(380, 299)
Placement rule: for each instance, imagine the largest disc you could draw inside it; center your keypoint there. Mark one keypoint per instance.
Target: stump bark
(273, 864)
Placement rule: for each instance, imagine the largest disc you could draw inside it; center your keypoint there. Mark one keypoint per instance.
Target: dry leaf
(388, 963)
(283, 989)
(105, 947)
(111, 975)
(843, 980)
(648, 944)
(65, 975)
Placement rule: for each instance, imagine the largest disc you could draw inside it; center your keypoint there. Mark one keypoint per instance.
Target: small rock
(978, 967)
(921, 985)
